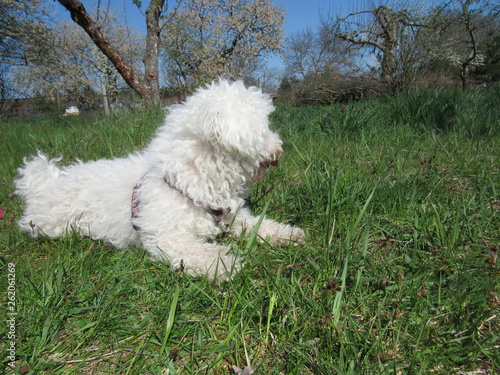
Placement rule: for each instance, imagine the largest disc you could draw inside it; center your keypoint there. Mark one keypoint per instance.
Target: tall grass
(400, 200)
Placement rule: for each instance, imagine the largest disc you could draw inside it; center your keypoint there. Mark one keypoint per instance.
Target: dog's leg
(195, 257)
(268, 230)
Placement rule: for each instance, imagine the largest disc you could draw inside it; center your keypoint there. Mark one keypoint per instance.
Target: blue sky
(303, 14)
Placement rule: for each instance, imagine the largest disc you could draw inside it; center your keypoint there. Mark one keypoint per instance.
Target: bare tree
(314, 53)
(387, 31)
(210, 38)
(147, 85)
(458, 26)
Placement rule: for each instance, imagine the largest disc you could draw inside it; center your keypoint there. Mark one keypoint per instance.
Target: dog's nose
(268, 163)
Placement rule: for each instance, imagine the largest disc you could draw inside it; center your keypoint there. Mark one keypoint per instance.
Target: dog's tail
(35, 175)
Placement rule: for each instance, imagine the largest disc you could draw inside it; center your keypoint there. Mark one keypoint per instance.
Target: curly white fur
(213, 147)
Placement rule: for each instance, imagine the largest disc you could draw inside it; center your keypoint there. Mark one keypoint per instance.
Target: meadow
(399, 197)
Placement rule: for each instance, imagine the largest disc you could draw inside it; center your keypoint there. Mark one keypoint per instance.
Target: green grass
(400, 201)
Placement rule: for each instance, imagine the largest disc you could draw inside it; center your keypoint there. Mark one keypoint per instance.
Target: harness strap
(135, 206)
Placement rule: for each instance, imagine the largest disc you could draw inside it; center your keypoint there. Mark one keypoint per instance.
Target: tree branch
(82, 18)
(350, 38)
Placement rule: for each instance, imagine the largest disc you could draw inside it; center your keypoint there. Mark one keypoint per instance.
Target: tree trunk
(148, 86)
(151, 79)
(104, 97)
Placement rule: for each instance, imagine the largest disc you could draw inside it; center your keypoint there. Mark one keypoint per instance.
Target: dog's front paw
(288, 236)
(298, 235)
(224, 267)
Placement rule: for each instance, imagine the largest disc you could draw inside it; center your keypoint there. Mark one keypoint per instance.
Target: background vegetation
(361, 49)
(400, 200)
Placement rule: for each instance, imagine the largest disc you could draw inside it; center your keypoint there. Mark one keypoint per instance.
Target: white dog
(187, 186)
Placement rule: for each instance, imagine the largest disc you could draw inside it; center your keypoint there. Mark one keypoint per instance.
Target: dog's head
(233, 119)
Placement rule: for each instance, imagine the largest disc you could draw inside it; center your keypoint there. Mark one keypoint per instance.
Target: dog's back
(91, 198)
